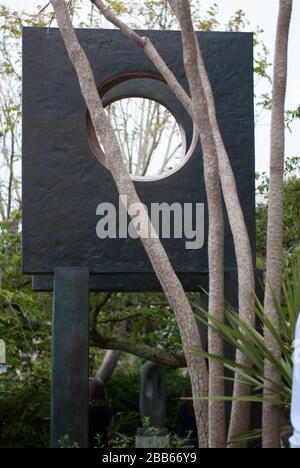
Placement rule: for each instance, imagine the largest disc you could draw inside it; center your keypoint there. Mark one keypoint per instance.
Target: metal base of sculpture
(152, 438)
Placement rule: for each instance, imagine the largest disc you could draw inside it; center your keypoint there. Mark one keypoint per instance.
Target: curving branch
(149, 49)
(97, 309)
(137, 349)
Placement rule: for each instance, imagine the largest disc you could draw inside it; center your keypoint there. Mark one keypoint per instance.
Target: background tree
(149, 136)
(271, 413)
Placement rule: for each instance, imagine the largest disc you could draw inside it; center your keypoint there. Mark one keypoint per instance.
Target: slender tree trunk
(240, 418)
(217, 428)
(11, 175)
(108, 366)
(271, 413)
(241, 411)
(171, 285)
(111, 358)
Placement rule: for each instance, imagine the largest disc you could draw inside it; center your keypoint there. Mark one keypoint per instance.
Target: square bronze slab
(63, 183)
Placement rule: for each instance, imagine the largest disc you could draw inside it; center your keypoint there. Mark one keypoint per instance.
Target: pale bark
(171, 285)
(149, 49)
(241, 411)
(240, 416)
(108, 366)
(111, 358)
(271, 414)
(217, 429)
(11, 175)
(198, 109)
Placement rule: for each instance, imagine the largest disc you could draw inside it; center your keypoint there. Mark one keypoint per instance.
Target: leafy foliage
(25, 405)
(25, 408)
(291, 241)
(25, 320)
(292, 115)
(123, 390)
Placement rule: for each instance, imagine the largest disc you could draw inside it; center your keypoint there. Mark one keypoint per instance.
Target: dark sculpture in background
(153, 434)
(153, 395)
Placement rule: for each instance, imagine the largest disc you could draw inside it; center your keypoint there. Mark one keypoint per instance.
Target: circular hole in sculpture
(153, 143)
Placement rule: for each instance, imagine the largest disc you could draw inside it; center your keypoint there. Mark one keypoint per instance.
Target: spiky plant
(240, 335)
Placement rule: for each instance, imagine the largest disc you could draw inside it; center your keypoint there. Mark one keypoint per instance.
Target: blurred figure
(100, 415)
(186, 420)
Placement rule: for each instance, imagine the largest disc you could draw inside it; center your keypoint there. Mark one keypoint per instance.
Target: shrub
(25, 410)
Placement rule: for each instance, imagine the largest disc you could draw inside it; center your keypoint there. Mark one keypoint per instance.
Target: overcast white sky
(264, 14)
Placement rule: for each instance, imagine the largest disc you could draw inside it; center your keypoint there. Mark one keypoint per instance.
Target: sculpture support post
(70, 358)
